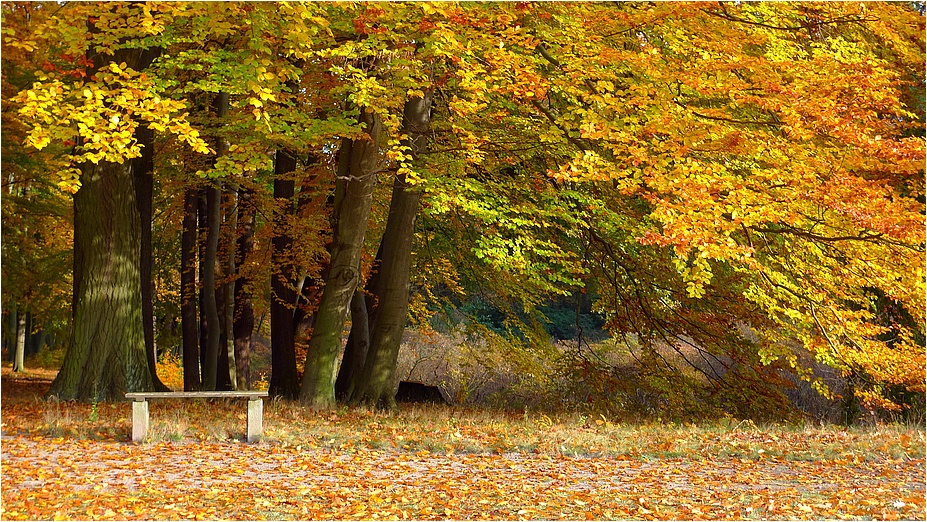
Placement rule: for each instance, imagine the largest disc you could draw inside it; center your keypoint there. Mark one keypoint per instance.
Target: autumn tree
(759, 145)
(100, 105)
(393, 268)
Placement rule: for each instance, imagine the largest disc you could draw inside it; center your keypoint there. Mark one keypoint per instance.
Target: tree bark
(228, 287)
(355, 351)
(388, 321)
(202, 231)
(215, 357)
(106, 357)
(283, 379)
(210, 306)
(10, 322)
(243, 325)
(18, 359)
(189, 323)
(350, 227)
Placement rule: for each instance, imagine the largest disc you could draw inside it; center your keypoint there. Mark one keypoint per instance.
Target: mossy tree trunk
(388, 321)
(106, 356)
(352, 210)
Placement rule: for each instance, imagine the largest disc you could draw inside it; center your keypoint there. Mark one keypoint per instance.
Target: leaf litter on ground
(75, 461)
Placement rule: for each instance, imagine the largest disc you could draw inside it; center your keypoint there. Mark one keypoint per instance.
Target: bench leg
(139, 421)
(255, 419)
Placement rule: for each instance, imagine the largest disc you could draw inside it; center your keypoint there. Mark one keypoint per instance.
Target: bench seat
(140, 408)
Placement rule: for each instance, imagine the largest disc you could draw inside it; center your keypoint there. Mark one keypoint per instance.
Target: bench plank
(253, 394)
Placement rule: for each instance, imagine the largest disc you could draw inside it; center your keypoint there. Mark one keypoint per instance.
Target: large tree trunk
(106, 357)
(283, 379)
(350, 226)
(392, 289)
(243, 325)
(19, 357)
(188, 295)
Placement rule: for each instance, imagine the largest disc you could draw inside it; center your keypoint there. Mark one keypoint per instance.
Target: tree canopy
(744, 179)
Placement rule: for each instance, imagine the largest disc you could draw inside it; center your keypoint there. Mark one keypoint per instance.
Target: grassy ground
(513, 464)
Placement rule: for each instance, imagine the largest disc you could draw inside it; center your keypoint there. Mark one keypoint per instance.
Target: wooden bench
(140, 408)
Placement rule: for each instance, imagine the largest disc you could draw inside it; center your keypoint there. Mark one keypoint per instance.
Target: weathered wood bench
(140, 408)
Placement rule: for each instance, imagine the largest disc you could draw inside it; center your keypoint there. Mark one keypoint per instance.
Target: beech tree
(106, 356)
(376, 383)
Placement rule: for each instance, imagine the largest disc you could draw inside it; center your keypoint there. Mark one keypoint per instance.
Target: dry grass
(447, 429)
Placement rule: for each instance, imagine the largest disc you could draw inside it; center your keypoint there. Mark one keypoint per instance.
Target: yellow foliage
(170, 370)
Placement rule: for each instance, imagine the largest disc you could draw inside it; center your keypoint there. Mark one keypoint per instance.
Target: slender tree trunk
(203, 231)
(215, 357)
(37, 341)
(18, 359)
(188, 294)
(243, 326)
(389, 319)
(223, 363)
(225, 271)
(106, 356)
(352, 213)
(10, 323)
(29, 328)
(210, 306)
(228, 286)
(144, 188)
(283, 379)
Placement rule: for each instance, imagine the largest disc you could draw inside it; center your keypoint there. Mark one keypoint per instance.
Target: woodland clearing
(74, 461)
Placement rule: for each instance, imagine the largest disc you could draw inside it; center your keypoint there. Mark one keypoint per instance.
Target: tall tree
(212, 293)
(352, 209)
(106, 356)
(143, 170)
(393, 280)
(283, 380)
(190, 325)
(243, 325)
(210, 308)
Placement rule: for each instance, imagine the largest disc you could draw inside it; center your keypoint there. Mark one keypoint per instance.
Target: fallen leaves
(84, 479)
(439, 463)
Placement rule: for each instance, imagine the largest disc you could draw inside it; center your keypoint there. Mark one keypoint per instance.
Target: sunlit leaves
(101, 116)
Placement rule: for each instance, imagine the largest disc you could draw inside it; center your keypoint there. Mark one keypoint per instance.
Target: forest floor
(76, 461)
